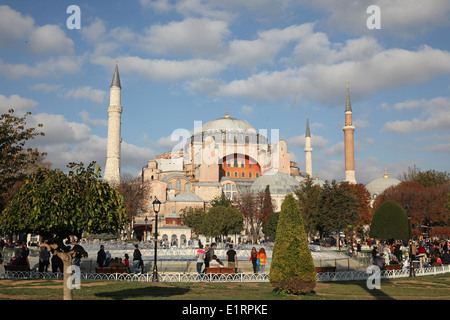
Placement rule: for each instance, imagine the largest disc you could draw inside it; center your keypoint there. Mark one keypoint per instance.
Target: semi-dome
(377, 186)
(279, 183)
(227, 123)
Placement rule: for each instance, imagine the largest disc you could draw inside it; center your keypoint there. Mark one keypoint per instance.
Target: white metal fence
(238, 277)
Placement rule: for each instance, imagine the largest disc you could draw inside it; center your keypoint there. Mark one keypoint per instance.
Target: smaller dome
(187, 197)
(377, 186)
(279, 183)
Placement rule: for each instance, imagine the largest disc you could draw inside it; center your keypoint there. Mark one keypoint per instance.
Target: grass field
(418, 288)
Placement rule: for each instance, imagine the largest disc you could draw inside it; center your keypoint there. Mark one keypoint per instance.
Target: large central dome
(227, 123)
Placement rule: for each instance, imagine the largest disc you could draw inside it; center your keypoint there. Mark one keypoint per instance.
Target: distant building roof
(377, 186)
(187, 197)
(279, 183)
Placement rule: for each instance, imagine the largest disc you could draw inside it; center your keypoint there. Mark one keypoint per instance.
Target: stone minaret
(348, 142)
(112, 169)
(308, 149)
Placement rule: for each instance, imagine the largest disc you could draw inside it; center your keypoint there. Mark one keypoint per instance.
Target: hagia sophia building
(224, 156)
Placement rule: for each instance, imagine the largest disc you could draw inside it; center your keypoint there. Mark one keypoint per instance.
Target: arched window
(170, 186)
(228, 174)
(249, 174)
(187, 186)
(235, 174)
(243, 174)
(178, 185)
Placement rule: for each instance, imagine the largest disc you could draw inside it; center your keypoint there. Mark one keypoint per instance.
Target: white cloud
(54, 67)
(435, 116)
(50, 39)
(164, 70)
(317, 142)
(92, 122)
(95, 95)
(386, 69)
(13, 26)
(58, 130)
(200, 37)
(17, 103)
(405, 18)
(45, 87)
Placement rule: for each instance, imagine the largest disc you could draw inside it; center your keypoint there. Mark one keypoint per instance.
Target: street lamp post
(156, 207)
(146, 220)
(411, 264)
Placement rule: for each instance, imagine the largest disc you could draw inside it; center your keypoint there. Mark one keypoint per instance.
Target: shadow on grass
(150, 292)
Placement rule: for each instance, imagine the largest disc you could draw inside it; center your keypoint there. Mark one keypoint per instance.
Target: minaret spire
(112, 168)
(308, 149)
(349, 141)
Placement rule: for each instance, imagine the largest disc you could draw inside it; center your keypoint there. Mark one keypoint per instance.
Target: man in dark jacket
(137, 259)
(446, 257)
(101, 256)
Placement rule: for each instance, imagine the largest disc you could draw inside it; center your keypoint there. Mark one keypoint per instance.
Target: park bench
(325, 269)
(17, 268)
(394, 267)
(118, 269)
(219, 270)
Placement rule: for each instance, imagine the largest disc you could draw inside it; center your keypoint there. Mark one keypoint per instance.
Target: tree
(308, 198)
(15, 158)
(427, 178)
(362, 198)
(390, 222)
(57, 206)
(193, 218)
(221, 221)
(256, 209)
(292, 268)
(338, 209)
(221, 200)
(427, 203)
(135, 195)
(270, 227)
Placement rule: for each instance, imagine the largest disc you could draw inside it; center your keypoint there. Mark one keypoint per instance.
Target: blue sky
(271, 62)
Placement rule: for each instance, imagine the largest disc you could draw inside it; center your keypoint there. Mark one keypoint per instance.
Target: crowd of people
(207, 257)
(428, 253)
(104, 259)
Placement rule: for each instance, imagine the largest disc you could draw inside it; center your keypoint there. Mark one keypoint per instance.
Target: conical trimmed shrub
(292, 268)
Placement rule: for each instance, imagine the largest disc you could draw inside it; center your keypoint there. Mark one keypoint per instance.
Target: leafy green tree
(222, 221)
(292, 268)
(57, 206)
(308, 198)
(15, 158)
(221, 200)
(193, 218)
(390, 222)
(338, 208)
(270, 227)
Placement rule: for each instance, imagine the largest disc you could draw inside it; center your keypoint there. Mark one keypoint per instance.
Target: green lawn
(419, 288)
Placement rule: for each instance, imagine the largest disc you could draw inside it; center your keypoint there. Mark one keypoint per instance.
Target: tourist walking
(126, 262)
(44, 259)
(206, 258)
(231, 257)
(200, 258)
(137, 259)
(253, 258)
(262, 260)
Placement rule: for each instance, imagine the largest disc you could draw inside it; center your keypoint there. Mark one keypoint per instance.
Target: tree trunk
(67, 272)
